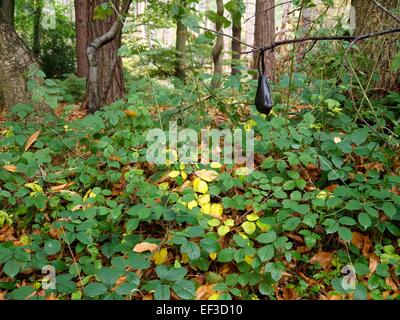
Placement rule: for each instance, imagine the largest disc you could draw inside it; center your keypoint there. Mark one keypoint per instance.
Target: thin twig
(266, 10)
(276, 44)
(387, 11)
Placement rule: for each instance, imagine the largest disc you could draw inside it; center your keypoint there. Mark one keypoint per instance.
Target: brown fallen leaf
(148, 297)
(289, 294)
(323, 258)
(145, 246)
(358, 240)
(10, 168)
(204, 292)
(130, 113)
(61, 187)
(373, 262)
(367, 247)
(303, 249)
(32, 139)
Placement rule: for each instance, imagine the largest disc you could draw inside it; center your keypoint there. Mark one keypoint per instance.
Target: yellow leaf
(10, 168)
(34, 187)
(244, 171)
(183, 175)
(31, 140)
(229, 222)
(204, 199)
(215, 296)
(207, 175)
(161, 256)
(248, 259)
(145, 246)
(164, 185)
(216, 210)
(206, 208)
(253, 217)
(263, 226)
(192, 204)
(200, 186)
(249, 227)
(213, 256)
(173, 174)
(215, 165)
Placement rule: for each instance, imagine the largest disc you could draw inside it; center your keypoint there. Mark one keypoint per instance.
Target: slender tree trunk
(81, 27)
(236, 46)
(105, 78)
(7, 9)
(181, 35)
(264, 33)
(15, 60)
(36, 27)
(369, 17)
(218, 47)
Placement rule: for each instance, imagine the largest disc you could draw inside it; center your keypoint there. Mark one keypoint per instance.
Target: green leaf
(347, 221)
(51, 247)
(353, 205)
(108, 276)
(162, 292)
(94, 289)
(389, 209)
(267, 237)
(175, 274)
(291, 223)
(138, 261)
(209, 245)
(191, 249)
(345, 234)
(364, 220)
(266, 253)
(132, 224)
(11, 268)
(22, 293)
(184, 289)
(226, 255)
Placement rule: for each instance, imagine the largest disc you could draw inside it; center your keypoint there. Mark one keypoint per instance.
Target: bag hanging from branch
(263, 99)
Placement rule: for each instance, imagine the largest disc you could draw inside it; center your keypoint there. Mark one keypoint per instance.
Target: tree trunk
(264, 33)
(7, 9)
(181, 35)
(81, 27)
(369, 17)
(36, 27)
(15, 60)
(236, 46)
(105, 78)
(218, 47)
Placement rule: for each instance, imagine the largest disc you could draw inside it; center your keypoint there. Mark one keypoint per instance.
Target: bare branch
(325, 38)
(386, 10)
(266, 10)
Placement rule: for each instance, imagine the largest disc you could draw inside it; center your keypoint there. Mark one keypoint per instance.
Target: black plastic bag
(263, 99)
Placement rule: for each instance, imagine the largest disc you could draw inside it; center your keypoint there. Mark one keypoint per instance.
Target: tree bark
(81, 27)
(236, 45)
(181, 35)
(264, 33)
(105, 78)
(15, 60)
(36, 27)
(218, 47)
(369, 17)
(7, 9)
